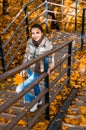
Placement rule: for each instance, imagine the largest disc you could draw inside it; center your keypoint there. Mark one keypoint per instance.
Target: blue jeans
(31, 78)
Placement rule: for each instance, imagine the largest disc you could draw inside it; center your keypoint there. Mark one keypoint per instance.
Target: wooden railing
(14, 38)
(45, 94)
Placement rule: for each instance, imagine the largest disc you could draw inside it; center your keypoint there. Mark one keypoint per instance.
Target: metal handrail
(27, 64)
(12, 22)
(45, 12)
(82, 32)
(14, 55)
(5, 44)
(39, 6)
(37, 17)
(18, 14)
(45, 92)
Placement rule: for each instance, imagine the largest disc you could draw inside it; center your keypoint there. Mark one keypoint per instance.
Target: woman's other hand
(22, 73)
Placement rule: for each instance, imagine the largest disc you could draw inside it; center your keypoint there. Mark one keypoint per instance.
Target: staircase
(17, 114)
(75, 118)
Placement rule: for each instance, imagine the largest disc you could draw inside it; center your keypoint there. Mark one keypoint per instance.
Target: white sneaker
(40, 102)
(34, 108)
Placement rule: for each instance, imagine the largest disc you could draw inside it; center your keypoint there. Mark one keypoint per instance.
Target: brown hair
(37, 26)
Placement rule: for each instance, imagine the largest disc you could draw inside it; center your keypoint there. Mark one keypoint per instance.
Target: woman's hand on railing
(49, 69)
(22, 73)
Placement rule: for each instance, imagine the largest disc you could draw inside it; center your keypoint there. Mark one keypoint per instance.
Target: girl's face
(36, 34)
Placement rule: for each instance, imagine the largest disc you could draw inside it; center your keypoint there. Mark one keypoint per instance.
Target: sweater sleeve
(51, 61)
(27, 53)
(47, 46)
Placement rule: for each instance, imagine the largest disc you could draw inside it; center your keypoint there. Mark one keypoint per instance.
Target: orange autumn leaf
(83, 109)
(18, 79)
(83, 120)
(22, 123)
(64, 65)
(64, 127)
(82, 67)
(2, 119)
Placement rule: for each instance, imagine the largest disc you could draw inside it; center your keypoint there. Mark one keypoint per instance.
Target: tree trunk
(5, 7)
(21, 3)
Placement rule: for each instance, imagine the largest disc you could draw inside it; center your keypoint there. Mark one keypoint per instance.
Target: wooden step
(74, 127)
(17, 127)
(7, 116)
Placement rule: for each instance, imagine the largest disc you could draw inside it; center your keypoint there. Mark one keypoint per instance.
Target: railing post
(46, 5)
(1, 56)
(76, 14)
(62, 8)
(82, 32)
(69, 61)
(5, 7)
(46, 83)
(26, 13)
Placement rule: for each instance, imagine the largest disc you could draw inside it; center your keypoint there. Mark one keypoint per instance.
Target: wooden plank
(55, 124)
(7, 116)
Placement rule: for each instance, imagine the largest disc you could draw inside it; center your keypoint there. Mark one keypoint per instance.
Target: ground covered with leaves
(78, 80)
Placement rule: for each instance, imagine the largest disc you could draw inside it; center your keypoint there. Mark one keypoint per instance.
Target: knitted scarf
(37, 43)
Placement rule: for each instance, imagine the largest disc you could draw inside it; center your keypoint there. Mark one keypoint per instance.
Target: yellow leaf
(18, 79)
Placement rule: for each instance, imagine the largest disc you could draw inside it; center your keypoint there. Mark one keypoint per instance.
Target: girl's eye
(37, 32)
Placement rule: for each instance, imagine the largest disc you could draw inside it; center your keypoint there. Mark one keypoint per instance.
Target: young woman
(37, 45)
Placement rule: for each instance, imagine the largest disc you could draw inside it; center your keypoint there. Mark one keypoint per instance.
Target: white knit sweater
(33, 52)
